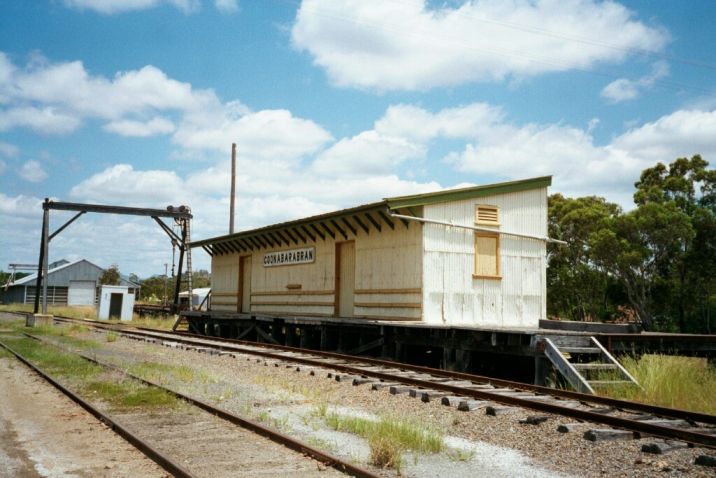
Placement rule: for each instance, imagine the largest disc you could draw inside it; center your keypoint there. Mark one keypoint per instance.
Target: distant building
(199, 298)
(68, 283)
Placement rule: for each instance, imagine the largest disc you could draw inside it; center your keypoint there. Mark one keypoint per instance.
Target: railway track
(468, 392)
(221, 436)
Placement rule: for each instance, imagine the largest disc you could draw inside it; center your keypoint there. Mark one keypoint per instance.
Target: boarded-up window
(487, 255)
(488, 215)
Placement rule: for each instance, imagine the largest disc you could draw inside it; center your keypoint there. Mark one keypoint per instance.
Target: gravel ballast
(475, 442)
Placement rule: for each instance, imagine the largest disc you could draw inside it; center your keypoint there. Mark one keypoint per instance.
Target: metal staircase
(585, 363)
(181, 324)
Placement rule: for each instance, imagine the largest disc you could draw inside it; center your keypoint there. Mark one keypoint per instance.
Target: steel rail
(612, 402)
(150, 452)
(285, 440)
(692, 437)
(695, 438)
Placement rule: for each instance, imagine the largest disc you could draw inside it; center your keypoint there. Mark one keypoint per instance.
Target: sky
(332, 104)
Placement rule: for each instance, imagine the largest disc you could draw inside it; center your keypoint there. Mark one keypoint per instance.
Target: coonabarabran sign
(305, 255)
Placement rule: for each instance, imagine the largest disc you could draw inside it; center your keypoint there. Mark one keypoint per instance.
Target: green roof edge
(469, 193)
(394, 203)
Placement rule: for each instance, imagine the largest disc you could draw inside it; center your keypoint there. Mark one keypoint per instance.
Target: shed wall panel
(388, 269)
(453, 296)
(225, 282)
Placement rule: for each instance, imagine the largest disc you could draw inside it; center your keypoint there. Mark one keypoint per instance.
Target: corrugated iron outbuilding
(68, 283)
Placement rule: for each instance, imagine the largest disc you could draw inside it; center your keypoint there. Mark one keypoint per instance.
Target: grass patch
(460, 454)
(53, 361)
(159, 372)
(111, 336)
(321, 444)
(66, 334)
(152, 323)
(4, 353)
(90, 313)
(129, 394)
(76, 312)
(126, 393)
(388, 438)
(670, 381)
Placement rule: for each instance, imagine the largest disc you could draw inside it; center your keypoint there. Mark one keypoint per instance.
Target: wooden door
(245, 284)
(345, 278)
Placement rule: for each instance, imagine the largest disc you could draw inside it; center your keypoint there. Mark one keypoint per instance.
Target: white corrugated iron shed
(472, 256)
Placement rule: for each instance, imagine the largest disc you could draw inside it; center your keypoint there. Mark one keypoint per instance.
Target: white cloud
(366, 154)
(264, 134)
(141, 129)
(580, 166)
(22, 206)
(624, 89)
(8, 150)
(123, 184)
(408, 45)
(55, 98)
(681, 133)
(460, 122)
(32, 171)
(109, 7)
(227, 6)
(43, 120)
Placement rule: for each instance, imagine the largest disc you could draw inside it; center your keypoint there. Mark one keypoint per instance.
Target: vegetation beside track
(388, 437)
(90, 380)
(687, 383)
(90, 313)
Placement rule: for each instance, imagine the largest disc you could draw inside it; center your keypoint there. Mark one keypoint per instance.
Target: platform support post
(542, 369)
(463, 360)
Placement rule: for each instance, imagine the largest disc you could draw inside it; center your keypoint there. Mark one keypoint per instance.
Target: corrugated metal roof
(245, 240)
(32, 278)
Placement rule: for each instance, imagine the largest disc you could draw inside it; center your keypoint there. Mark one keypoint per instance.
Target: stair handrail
(609, 356)
(566, 368)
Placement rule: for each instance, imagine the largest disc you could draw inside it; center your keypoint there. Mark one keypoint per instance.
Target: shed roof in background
(32, 278)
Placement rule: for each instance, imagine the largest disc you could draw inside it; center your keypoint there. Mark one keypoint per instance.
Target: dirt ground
(45, 434)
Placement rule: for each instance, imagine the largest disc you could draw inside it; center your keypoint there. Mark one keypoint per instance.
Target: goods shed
(464, 257)
(68, 283)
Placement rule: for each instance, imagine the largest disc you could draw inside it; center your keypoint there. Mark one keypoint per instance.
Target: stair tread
(595, 366)
(579, 350)
(608, 382)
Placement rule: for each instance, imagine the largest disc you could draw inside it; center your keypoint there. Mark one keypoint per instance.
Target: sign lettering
(305, 255)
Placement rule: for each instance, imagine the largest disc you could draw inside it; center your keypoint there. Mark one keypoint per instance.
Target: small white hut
(463, 257)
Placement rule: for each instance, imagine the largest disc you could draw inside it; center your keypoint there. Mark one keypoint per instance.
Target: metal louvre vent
(487, 215)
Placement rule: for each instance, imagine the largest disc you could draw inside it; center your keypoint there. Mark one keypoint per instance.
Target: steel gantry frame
(181, 214)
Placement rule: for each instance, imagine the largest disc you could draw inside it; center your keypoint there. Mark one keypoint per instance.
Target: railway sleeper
(496, 410)
(662, 447)
(451, 400)
(706, 460)
(570, 427)
(382, 385)
(470, 405)
(610, 434)
(535, 419)
(430, 395)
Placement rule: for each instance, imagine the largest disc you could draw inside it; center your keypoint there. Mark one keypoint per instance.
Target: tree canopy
(110, 276)
(657, 261)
